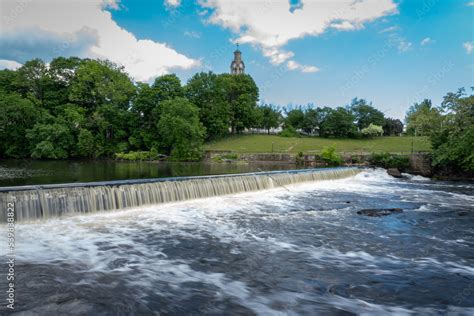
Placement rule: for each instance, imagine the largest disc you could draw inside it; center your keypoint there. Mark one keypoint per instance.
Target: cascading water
(34, 202)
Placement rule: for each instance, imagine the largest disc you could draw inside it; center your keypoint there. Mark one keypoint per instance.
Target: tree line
(84, 108)
(359, 119)
(77, 108)
(450, 127)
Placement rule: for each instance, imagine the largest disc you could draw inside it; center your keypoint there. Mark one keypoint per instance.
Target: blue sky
(392, 53)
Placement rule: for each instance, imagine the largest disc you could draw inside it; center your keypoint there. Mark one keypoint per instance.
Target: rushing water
(47, 201)
(275, 252)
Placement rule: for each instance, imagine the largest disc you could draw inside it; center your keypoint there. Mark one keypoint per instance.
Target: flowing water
(301, 251)
(34, 202)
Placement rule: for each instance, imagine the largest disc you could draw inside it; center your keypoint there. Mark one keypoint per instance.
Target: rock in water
(394, 172)
(378, 212)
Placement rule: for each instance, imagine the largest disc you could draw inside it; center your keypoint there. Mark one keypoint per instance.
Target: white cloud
(85, 29)
(389, 29)
(9, 64)
(404, 46)
(271, 25)
(293, 65)
(426, 41)
(173, 3)
(469, 47)
(470, 4)
(192, 34)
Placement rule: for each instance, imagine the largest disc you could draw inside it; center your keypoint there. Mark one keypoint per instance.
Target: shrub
(386, 160)
(330, 156)
(289, 131)
(372, 130)
(355, 159)
(300, 157)
(139, 156)
(229, 156)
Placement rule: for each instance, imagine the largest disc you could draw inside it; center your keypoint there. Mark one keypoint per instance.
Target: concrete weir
(55, 200)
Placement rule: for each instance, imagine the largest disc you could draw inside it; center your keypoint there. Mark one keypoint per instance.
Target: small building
(237, 66)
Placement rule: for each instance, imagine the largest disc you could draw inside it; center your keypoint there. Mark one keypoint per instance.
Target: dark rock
(463, 213)
(394, 172)
(348, 202)
(377, 212)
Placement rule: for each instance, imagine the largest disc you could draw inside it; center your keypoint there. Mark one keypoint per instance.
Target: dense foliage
(453, 141)
(372, 130)
(342, 122)
(422, 119)
(387, 160)
(331, 157)
(82, 108)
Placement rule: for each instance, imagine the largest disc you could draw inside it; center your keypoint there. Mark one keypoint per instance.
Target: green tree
(311, 121)
(422, 119)
(61, 73)
(365, 114)
(392, 127)
(241, 95)
(7, 81)
(17, 115)
(111, 124)
(295, 118)
(270, 117)
(181, 133)
(144, 116)
(99, 83)
(337, 122)
(167, 87)
(206, 92)
(453, 140)
(50, 141)
(86, 146)
(32, 79)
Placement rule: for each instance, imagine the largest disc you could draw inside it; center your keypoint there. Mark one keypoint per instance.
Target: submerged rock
(394, 172)
(377, 212)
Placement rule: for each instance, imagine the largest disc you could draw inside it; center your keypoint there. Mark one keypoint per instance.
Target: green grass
(263, 144)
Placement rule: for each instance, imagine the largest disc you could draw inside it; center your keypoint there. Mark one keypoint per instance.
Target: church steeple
(237, 66)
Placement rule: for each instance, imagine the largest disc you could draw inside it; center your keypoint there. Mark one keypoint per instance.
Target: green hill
(264, 144)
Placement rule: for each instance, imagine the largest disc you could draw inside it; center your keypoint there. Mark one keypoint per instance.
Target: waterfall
(48, 201)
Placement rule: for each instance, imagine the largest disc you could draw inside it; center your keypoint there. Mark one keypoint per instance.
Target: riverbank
(415, 163)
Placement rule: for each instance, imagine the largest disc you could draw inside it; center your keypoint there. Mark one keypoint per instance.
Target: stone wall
(420, 163)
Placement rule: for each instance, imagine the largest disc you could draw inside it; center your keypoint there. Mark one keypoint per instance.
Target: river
(25, 172)
(301, 251)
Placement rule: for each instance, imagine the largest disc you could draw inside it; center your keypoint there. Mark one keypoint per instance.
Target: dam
(56, 200)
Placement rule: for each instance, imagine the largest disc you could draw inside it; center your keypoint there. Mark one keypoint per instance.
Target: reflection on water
(25, 172)
(299, 252)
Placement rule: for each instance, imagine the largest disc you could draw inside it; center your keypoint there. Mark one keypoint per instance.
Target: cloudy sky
(324, 52)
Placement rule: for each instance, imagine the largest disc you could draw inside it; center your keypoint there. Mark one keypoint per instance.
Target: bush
(386, 160)
(355, 159)
(229, 156)
(372, 130)
(300, 158)
(289, 131)
(330, 156)
(139, 156)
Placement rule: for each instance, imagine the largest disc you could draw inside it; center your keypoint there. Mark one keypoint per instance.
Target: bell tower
(237, 66)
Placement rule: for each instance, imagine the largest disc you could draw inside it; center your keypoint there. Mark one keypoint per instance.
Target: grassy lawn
(263, 144)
